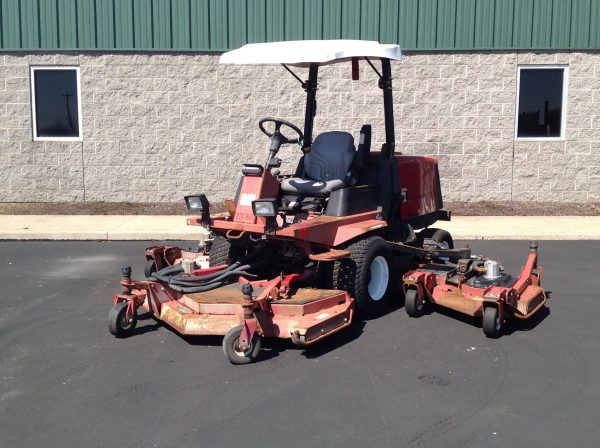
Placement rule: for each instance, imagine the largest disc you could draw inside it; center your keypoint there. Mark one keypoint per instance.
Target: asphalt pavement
(393, 381)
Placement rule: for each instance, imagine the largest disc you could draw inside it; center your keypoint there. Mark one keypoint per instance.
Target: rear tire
(413, 306)
(368, 274)
(492, 326)
(438, 235)
(222, 252)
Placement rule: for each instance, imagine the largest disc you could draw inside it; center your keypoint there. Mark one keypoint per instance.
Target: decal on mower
(247, 199)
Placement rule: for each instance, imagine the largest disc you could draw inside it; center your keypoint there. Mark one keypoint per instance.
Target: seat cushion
(309, 187)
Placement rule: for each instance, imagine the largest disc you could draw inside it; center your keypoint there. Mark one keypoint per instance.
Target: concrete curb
(523, 227)
(124, 228)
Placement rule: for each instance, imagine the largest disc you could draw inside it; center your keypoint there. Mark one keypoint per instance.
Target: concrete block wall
(158, 126)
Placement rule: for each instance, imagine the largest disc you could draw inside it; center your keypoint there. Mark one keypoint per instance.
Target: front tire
(231, 347)
(222, 252)
(367, 274)
(492, 326)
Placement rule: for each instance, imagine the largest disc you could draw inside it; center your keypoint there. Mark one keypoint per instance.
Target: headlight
(265, 207)
(197, 203)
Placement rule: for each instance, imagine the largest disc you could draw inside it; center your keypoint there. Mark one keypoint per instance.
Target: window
(55, 104)
(541, 102)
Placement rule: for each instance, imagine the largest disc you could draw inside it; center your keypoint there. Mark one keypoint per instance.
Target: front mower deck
(311, 313)
(243, 311)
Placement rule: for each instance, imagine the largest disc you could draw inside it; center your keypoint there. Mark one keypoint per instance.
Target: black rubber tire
(413, 306)
(116, 321)
(150, 268)
(437, 235)
(230, 346)
(492, 327)
(222, 252)
(352, 274)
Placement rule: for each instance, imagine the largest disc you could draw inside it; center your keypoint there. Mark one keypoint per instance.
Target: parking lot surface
(393, 381)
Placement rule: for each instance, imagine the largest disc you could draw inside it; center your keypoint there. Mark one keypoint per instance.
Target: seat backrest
(364, 148)
(330, 157)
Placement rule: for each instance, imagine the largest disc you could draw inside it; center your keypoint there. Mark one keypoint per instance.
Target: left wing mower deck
(242, 311)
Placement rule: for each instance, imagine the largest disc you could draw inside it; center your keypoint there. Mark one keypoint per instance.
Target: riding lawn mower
(298, 255)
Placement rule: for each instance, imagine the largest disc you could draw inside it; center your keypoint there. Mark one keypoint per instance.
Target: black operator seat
(325, 168)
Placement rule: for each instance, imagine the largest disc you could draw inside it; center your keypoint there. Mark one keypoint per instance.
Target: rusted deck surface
(232, 294)
(225, 294)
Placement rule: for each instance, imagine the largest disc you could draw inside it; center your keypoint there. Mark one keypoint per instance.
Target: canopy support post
(310, 85)
(385, 83)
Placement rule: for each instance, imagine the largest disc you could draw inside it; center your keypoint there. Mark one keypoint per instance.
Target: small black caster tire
(492, 326)
(117, 322)
(231, 347)
(413, 306)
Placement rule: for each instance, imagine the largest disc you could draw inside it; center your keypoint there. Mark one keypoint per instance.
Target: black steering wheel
(277, 138)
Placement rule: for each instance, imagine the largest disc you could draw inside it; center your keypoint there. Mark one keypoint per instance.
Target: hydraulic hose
(193, 289)
(189, 284)
(175, 269)
(166, 278)
(243, 272)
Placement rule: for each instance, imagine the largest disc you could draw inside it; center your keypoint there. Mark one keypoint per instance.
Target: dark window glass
(540, 102)
(56, 110)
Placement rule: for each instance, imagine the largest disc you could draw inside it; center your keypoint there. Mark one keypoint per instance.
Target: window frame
(32, 70)
(563, 115)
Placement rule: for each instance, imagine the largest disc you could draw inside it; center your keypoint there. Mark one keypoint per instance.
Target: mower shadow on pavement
(272, 347)
(147, 327)
(335, 341)
(512, 325)
(529, 324)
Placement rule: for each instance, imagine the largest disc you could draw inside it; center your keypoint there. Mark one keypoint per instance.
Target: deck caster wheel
(413, 306)
(232, 350)
(492, 325)
(118, 324)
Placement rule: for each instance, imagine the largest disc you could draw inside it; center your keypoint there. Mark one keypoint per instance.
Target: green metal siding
(216, 25)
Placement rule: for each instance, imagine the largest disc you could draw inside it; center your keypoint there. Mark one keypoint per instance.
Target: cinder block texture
(158, 126)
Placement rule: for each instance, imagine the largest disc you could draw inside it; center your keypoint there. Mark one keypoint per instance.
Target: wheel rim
(445, 245)
(126, 323)
(418, 303)
(498, 323)
(380, 274)
(238, 352)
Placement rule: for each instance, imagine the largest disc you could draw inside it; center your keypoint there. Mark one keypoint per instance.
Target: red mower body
(463, 287)
(419, 176)
(422, 206)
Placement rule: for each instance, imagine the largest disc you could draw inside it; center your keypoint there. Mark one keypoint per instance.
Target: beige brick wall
(157, 126)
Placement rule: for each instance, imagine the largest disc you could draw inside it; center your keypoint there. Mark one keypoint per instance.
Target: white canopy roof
(305, 52)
